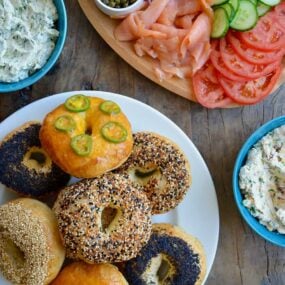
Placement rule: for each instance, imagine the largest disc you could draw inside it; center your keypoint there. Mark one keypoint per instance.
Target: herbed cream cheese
(262, 180)
(27, 37)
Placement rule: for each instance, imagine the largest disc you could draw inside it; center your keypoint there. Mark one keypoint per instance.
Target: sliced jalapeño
(114, 132)
(82, 144)
(77, 103)
(110, 107)
(65, 123)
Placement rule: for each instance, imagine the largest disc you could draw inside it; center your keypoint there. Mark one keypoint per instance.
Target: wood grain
(87, 62)
(105, 26)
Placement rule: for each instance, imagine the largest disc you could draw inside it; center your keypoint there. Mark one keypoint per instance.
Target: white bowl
(119, 12)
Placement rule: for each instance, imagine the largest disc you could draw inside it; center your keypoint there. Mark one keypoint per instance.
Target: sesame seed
(168, 185)
(86, 239)
(23, 246)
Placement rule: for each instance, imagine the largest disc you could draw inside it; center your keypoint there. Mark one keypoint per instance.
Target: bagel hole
(160, 270)
(148, 174)
(163, 269)
(145, 173)
(38, 156)
(13, 251)
(37, 159)
(107, 217)
(88, 131)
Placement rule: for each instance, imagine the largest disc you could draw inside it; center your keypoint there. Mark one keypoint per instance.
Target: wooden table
(88, 63)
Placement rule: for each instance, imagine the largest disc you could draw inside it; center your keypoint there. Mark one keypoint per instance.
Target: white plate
(197, 214)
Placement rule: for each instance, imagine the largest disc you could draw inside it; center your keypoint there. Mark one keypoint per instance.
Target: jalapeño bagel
(87, 136)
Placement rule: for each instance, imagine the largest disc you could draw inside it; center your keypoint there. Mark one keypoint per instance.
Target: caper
(112, 4)
(118, 3)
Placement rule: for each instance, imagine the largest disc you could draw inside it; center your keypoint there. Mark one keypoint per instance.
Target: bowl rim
(6, 87)
(271, 236)
(126, 9)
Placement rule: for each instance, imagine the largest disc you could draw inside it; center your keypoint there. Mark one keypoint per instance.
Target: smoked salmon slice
(175, 33)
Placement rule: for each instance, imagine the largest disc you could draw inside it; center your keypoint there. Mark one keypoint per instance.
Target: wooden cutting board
(105, 26)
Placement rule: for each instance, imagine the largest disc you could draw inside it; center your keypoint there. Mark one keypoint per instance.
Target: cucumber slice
(235, 4)
(262, 9)
(270, 2)
(229, 9)
(253, 2)
(245, 17)
(220, 24)
(218, 2)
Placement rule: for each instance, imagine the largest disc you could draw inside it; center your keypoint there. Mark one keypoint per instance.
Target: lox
(175, 33)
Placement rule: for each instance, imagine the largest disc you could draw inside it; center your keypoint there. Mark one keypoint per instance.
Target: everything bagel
(103, 219)
(160, 169)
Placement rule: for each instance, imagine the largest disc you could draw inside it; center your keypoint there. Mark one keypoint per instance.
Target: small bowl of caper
(119, 8)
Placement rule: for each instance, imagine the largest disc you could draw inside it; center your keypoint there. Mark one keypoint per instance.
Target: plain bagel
(78, 273)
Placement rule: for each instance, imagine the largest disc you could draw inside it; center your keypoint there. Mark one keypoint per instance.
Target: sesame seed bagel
(89, 142)
(171, 257)
(160, 168)
(78, 273)
(104, 219)
(31, 251)
(25, 167)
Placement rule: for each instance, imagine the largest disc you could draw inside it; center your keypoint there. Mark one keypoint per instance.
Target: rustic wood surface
(88, 63)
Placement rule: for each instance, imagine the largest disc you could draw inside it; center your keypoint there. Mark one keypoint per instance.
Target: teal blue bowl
(273, 237)
(62, 28)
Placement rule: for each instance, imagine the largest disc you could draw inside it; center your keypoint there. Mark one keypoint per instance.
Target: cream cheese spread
(27, 37)
(262, 180)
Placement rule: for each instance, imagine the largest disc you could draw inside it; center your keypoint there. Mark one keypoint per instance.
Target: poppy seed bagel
(25, 167)
(171, 257)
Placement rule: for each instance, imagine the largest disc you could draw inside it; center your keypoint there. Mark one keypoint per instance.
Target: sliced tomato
(266, 35)
(219, 65)
(279, 11)
(252, 55)
(207, 88)
(252, 91)
(239, 66)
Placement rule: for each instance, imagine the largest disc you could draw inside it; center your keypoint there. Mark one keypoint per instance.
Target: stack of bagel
(104, 218)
